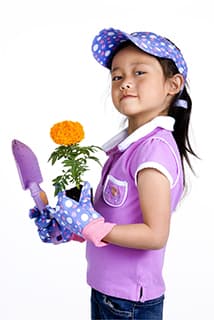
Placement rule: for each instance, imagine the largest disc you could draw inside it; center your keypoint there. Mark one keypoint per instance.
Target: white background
(48, 74)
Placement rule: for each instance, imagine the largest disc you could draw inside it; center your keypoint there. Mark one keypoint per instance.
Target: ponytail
(181, 115)
(181, 127)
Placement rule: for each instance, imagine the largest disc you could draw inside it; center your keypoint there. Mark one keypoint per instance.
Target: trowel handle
(38, 195)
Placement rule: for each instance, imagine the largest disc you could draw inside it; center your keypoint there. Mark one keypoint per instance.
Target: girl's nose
(126, 85)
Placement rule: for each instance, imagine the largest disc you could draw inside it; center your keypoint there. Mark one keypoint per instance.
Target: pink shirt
(133, 274)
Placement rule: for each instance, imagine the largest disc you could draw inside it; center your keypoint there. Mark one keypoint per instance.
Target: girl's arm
(154, 197)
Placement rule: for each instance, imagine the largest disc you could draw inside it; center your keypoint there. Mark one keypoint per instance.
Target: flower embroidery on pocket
(115, 191)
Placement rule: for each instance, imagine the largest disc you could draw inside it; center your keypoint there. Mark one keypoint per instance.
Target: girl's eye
(116, 78)
(139, 73)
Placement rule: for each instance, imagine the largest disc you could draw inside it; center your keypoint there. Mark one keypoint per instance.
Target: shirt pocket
(115, 191)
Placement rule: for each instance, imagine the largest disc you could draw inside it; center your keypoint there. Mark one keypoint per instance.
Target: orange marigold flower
(67, 132)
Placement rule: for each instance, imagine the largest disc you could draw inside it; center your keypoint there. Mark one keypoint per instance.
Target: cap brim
(106, 43)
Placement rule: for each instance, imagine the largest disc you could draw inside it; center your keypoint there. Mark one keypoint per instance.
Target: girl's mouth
(128, 96)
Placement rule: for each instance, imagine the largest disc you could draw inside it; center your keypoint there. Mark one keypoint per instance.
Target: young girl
(142, 182)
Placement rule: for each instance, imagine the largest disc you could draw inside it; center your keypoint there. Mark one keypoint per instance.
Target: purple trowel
(29, 172)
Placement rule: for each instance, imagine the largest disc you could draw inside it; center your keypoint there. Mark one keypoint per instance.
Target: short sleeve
(159, 154)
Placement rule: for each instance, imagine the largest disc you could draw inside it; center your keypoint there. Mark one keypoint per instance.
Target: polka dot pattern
(59, 224)
(49, 229)
(73, 215)
(106, 42)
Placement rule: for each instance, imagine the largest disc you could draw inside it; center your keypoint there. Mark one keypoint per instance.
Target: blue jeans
(105, 307)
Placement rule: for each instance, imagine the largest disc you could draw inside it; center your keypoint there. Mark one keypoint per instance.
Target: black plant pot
(74, 193)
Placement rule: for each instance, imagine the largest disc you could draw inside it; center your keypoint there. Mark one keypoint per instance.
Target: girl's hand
(48, 228)
(81, 218)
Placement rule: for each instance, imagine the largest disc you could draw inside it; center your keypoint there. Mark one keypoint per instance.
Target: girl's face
(139, 88)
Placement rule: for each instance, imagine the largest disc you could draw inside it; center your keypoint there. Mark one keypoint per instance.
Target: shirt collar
(122, 140)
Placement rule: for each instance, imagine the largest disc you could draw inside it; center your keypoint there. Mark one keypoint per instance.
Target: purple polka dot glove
(81, 218)
(48, 228)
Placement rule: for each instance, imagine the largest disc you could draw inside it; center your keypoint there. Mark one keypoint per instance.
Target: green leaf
(74, 161)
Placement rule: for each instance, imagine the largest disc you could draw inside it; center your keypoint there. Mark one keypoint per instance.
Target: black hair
(181, 115)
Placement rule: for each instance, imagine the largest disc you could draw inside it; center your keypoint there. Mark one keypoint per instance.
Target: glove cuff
(96, 230)
(75, 237)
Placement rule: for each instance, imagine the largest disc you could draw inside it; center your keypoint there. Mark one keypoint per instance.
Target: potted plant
(74, 157)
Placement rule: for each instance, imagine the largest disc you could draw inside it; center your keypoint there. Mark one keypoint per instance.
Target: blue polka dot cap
(107, 41)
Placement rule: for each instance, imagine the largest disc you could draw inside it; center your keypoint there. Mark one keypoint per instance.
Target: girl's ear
(176, 83)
